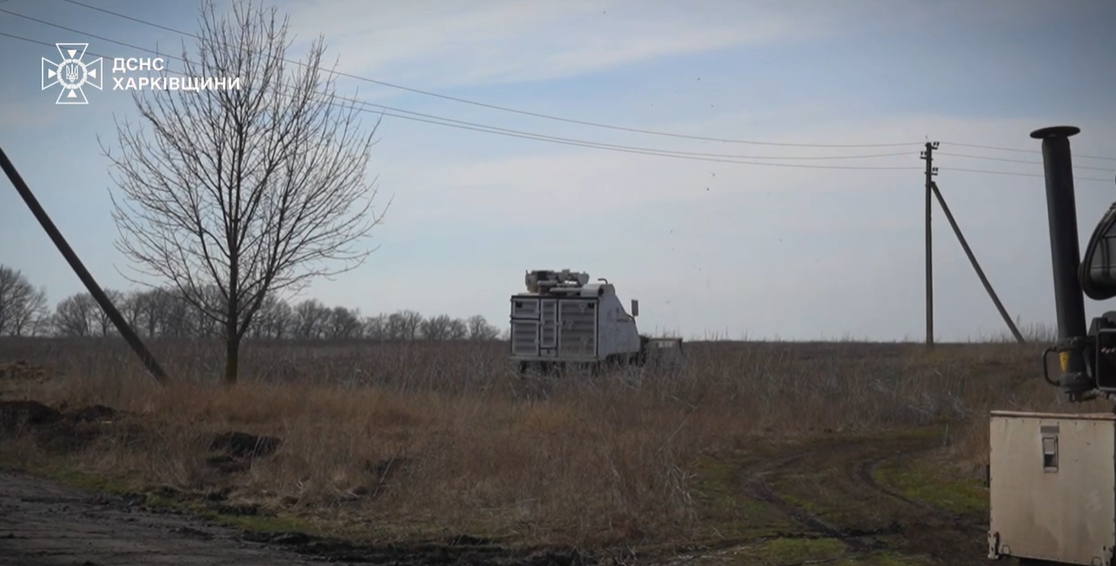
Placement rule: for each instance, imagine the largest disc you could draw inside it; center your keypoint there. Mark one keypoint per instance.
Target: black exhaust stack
(1066, 257)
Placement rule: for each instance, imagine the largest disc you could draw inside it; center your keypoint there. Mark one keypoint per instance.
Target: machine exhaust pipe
(1065, 257)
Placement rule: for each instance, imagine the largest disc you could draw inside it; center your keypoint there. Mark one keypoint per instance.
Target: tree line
(164, 313)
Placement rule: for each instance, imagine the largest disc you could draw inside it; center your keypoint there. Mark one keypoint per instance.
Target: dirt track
(42, 524)
(840, 501)
(831, 490)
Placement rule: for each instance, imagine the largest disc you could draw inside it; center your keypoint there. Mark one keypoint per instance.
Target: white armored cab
(562, 320)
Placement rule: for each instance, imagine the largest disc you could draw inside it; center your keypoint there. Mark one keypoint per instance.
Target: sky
(762, 249)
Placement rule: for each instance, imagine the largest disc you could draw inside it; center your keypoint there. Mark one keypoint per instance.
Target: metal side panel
(548, 333)
(577, 321)
(1052, 487)
(525, 338)
(526, 308)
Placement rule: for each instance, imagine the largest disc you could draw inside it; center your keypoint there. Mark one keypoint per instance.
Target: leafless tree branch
(244, 193)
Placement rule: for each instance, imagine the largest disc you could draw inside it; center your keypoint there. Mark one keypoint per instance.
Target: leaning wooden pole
(99, 295)
(976, 265)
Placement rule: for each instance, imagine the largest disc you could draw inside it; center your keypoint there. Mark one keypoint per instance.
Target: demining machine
(1052, 476)
(564, 321)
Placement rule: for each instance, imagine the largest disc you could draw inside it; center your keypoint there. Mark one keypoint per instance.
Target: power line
(640, 151)
(512, 110)
(493, 129)
(1094, 179)
(437, 120)
(1039, 163)
(447, 122)
(601, 144)
(558, 118)
(363, 106)
(545, 116)
(1032, 151)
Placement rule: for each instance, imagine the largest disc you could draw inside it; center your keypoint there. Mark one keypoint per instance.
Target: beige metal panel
(1053, 486)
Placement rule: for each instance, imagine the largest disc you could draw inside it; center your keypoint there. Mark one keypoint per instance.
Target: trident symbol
(72, 73)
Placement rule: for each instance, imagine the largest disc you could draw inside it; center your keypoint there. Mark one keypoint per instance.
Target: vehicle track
(877, 516)
(934, 515)
(760, 488)
(863, 473)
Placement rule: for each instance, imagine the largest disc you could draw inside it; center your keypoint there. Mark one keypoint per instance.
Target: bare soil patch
(44, 524)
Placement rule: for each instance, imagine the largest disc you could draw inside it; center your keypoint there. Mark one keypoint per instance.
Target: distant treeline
(163, 313)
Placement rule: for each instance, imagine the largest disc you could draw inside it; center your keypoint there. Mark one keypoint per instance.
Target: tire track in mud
(935, 516)
(759, 487)
(863, 471)
(918, 525)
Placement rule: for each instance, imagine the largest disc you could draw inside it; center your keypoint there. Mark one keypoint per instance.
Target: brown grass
(420, 439)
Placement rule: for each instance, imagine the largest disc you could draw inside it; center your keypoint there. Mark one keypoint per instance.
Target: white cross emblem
(72, 73)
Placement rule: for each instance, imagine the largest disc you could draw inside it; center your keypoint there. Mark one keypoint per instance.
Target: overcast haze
(708, 248)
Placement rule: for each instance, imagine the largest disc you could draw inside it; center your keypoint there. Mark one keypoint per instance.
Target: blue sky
(706, 247)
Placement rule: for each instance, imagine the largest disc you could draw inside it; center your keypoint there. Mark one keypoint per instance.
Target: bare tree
(436, 327)
(75, 316)
(458, 330)
(480, 329)
(34, 318)
(102, 324)
(344, 323)
(252, 190)
(395, 327)
(411, 324)
(310, 319)
(154, 311)
(23, 308)
(376, 327)
(273, 319)
(179, 317)
(131, 306)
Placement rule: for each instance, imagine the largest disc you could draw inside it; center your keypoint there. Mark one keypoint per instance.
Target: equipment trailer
(562, 320)
(1052, 477)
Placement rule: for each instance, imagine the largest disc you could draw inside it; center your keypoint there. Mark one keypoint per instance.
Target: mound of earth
(244, 445)
(21, 370)
(16, 413)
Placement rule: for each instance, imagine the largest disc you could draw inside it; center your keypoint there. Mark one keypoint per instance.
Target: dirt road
(42, 524)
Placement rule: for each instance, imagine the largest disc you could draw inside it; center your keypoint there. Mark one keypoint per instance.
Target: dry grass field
(753, 453)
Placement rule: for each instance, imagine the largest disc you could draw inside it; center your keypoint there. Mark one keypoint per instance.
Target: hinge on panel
(1105, 559)
(994, 546)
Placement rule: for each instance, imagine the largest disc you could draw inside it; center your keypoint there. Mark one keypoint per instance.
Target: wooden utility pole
(976, 265)
(931, 171)
(931, 192)
(91, 285)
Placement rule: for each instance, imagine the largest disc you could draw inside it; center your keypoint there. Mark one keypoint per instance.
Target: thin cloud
(461, 43)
